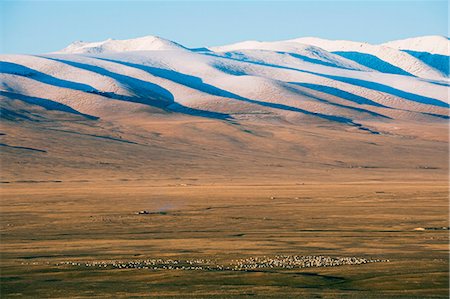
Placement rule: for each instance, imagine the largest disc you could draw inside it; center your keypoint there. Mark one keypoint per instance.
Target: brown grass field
(97, 222)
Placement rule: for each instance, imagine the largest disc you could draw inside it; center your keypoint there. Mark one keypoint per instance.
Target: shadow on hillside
(20, 70)
(339, 93)
(360, 110)
(317, 61)
(148, 93)
(294, 55)
(47, 104)
(145, 92)
(373, 62)
(390, 90)
(198, 84)
(180, 78)
(437, 61)
(357, 82)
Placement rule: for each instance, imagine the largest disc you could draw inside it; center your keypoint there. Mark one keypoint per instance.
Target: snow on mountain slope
(304, 52)
(433, 44)
(286, 81)
(147, 43)
(432, 50)
(378, 57)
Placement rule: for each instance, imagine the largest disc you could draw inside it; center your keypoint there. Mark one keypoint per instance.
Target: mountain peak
(433, 44)
(146, 43)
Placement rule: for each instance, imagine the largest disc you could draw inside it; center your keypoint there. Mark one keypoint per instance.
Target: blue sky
(44, 26)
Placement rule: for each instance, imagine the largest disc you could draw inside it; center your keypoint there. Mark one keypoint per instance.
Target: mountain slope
(149, 107)
(257, 80)
(378, 57)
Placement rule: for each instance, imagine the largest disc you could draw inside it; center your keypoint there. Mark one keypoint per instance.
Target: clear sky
(44, 26)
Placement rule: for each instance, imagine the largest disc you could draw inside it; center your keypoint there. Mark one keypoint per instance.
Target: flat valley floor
(46, 225)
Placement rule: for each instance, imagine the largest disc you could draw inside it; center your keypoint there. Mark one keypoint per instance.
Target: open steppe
(47, 223)
(232, 194)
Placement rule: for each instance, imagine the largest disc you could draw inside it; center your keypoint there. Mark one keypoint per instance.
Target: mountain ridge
(423, 56)
(279, 110)
(306, 79)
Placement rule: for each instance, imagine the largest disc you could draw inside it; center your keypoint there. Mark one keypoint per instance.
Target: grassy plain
(45, 223)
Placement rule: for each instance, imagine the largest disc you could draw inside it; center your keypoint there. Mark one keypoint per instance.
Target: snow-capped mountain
(151, 108)
(305, 79)
(146, 43)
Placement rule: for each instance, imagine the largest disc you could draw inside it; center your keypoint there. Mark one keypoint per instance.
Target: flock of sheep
(245, 264)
